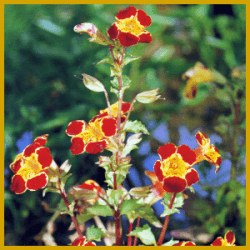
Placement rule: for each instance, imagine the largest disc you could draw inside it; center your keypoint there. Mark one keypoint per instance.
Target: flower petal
(230, 237)
(44, 157)
(109, 126)
(16, 165)
(192, 177)
(187, 154)
(75, 127)
(41, 140)
(29, 150)
(79, 241)
(190, 89)
(166, 151)
(125, 107)
(38, 182)
(218, 242)
(127, 39)
(158, 171)
(145, 37)
(126, 13)
(143, 18)
(96, 147)
(18, 184)
(90, 244)
(77, 146)
(201, 138)
(174, 184)
(113, 31)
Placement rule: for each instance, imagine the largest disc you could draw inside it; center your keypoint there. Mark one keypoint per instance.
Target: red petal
(158, 171)
(18, 184)
(187, 154)
(75, 127)
(89, 184)
(199, 136)
(230, 237)
(125, 107)
(38, 182)
(109, 126)
(126, 13)
(29, 150)
(189, 243)
(113, 31)
(217, 242)
(192, 177)
(90, 244)
(143, 18)
(166, 151)
(77, 146)
(15, 166)
(145, 37)
(174, 184)
(41, 140)
(96, 147)
(127, 39)
(44, 157)
(78, 241)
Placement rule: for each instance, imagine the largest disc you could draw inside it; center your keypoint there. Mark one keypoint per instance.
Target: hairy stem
(165, 225)
(137, 225)
(129, 231)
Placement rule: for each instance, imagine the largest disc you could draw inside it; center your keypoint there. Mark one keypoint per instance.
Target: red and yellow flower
(92, 137)
(174, 169)
(82, 242)
(114, 111)
(130, 27)
(198, 74)
(229, 240)
(184, 243)
(206, 151)
(31, 167)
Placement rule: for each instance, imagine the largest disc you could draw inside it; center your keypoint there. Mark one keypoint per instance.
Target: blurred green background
(42, 55)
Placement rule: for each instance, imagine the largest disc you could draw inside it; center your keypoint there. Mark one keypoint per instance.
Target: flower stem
(165, 225)
(64, 196)
(137, 225)
(129, 231)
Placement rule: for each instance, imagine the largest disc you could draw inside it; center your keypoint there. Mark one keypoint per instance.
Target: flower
(184, 243)
(96, 35)
(114, 111)
(198, 74)
(129, 28)
(228, 240)
(174, 169)
(82, 242)
(157, 189)
(31, 167)
(205, 151)
(92, 137)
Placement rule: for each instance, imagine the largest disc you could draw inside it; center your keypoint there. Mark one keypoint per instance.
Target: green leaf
(128, 206)
(144, 234)
(171, 242)
(135, 127)
(130, 145)
(178, 202)
(114, 196)
(95, 234)
(102, 210)
(107, 59)
(50, 189)
(83, 217)
(128, 58)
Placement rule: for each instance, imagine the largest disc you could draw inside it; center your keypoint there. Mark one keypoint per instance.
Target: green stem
(165, 225)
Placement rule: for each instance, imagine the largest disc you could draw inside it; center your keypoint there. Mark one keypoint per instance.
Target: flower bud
(92, 83)
(148, 96)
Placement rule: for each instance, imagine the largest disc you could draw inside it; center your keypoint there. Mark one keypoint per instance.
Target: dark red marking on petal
(187, 154)
(145, 37)
(113, 31)
(127, 39)
(75, 127)
(38, 182)
(166, 151)
(158, 171)
(126, 13)
(96, 147)
(18, 184)
(143, 18)
(44, 157)
(109, 126)
(192, 177)
(77, 146)
(174, 184)
(217, 242)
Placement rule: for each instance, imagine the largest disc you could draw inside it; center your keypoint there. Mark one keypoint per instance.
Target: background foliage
(42, 55)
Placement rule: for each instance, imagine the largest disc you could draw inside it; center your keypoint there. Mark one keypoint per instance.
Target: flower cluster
(31, 167)
(228, 240)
